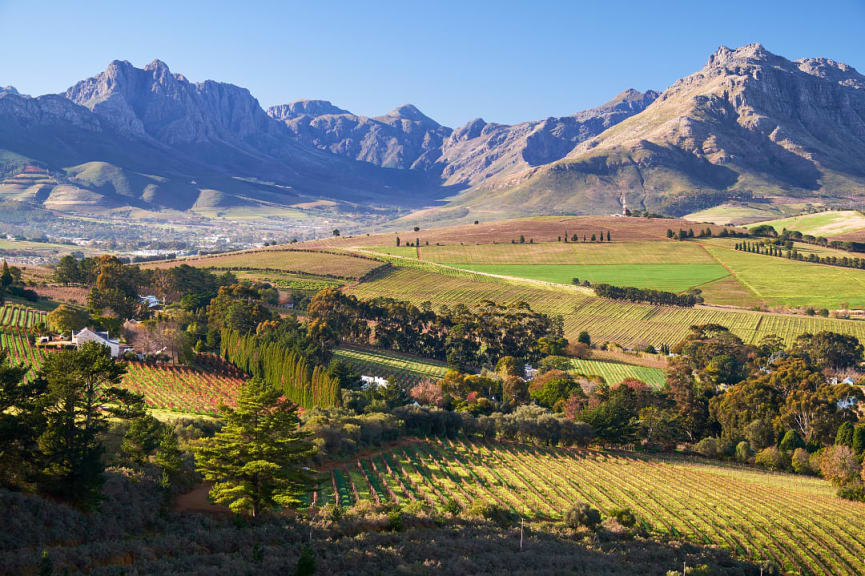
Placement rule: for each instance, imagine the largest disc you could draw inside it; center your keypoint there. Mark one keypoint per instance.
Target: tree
(582, 515)
(78, 383)
(829, 350)
(584, 338)
(256, 460)
(66, 318)
(21, 422)
(66, 270)
(844, 436)
(859, 439)
(839, 465)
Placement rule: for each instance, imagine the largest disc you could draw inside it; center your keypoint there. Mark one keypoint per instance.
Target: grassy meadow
(832, 223)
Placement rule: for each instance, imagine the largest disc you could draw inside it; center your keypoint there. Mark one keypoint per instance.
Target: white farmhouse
(88, 335)
(376, 381)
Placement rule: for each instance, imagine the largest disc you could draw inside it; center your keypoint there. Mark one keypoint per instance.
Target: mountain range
(748, 126)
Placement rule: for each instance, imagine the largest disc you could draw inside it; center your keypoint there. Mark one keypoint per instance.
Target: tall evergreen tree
(256, 461)
(21, 422)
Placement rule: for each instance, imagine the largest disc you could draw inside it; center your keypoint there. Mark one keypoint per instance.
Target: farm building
(88, 335)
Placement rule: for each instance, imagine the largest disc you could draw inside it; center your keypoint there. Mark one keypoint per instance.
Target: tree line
(645, 295)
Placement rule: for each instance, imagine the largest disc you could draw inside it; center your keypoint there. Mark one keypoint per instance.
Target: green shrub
(624, 516)
(743, 451)
(394, 520)
(707, 447)
(859, 439)
(494, 512)
(582, 515)
(852, 492)
(452, 507)
(772, 458)
(844, 437)
(791, 441)
(801, 462)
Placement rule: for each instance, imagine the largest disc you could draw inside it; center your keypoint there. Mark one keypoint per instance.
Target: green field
(791, 283)
(624, 323)
(795, 521)
(401, 368)
(668, 277)
(614, 372)
(732, 214)
(820, 224)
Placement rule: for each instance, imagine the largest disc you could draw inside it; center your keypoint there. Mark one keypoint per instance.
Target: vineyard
(614, 372)
(793, 521)
(605, 320)
(182, 389)
(20, 317)
(21, 351)
(400, 368)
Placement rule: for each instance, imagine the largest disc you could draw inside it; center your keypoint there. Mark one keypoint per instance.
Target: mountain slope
(749, 124)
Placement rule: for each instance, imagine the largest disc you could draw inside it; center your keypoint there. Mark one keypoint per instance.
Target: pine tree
(256, 461)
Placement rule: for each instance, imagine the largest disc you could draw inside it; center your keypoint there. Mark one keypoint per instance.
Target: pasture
(796, 522)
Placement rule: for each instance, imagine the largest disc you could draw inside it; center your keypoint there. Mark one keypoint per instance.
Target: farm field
(732, 213)
(657, 251)
(308, 262)
(795, 521)
(831, 223)
(613, 372)
(21, 351)
(20, 317)
(182, 389)
(792, 283)
(620, 322)
(288, 281)
(667, 277)
(404, 369)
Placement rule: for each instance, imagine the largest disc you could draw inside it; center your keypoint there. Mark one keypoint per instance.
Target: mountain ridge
(748, 125)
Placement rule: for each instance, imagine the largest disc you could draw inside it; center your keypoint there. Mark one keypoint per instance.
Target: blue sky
(503, 61)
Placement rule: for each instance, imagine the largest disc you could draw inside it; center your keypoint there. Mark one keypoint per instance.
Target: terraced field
(605, 320)
(795, 521)
(400, 368)
(613, 372)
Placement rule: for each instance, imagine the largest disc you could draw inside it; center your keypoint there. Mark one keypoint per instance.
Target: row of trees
(658, 297)
(285, 368)
(467, 338)
(792, 254)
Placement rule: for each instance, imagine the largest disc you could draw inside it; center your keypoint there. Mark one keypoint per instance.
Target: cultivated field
(777, 280)
(795, 521)
(400, 368)
(182, 389)
(21, 317)
(620, 322)
(833, 223)
(613, 372)
(314, 263)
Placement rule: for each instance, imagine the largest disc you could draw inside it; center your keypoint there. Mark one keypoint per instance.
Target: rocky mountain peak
(9, 90)
(313, 108)
(411, 112)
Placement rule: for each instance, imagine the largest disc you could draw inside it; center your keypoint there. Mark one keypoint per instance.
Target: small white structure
(151, 301)
(530, 372)
(88, 335)
(376, 381)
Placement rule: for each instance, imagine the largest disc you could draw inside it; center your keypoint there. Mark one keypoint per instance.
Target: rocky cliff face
(748, 123)
(404, 138)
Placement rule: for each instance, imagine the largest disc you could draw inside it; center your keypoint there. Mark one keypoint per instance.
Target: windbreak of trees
(286, 369)
(467, 338)
(786, 250)
(657, 297)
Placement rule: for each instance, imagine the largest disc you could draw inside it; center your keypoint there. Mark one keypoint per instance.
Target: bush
(707, 447)
(859, 439)
(452, 507)
(839, 465)
(494, 512)
(743, 451)
(772, 458)
(852, 492)
(844, 436)
(394, 520)
(801, 462)
(791, 441)
(624, 516)
(759, 434)
(582, 515)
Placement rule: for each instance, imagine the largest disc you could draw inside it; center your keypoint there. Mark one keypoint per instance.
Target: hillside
(748, 125)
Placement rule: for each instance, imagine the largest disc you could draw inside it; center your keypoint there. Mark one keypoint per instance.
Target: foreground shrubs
(582, 515)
